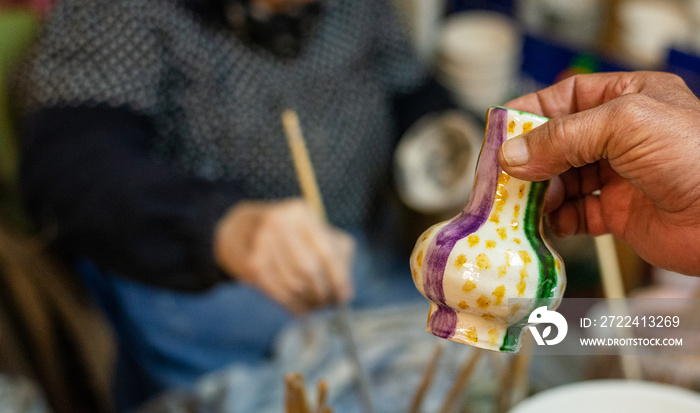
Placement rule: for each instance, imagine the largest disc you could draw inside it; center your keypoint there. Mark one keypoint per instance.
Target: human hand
(633, 136)
(281, 6)
(286, 251)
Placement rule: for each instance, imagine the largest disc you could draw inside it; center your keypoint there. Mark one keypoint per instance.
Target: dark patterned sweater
(145, 121)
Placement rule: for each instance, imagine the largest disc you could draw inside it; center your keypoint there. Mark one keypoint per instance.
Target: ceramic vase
(493, 252)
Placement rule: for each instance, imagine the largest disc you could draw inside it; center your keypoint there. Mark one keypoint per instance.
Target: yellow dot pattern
(502, 233)
(499, 293)
(490, 244)
(469, 285)
(483, 262)
(521, 191)
(503, 178)
(502, 270)
(501, 199)
(472, 335)
(483, 302)
(501, 193)
(525, 256)
(527, 126)
(461, 260)
(522, 284)
(419, 259)
(493, 336)
(463, 305)
(488, 316)
(515, 308)
(511, 126)
(473, 240)
(495, 218)
(512, 258)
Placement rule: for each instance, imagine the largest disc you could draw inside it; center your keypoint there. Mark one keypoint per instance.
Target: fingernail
(515, 151)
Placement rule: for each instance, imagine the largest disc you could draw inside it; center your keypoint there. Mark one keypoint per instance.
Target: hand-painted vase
(471, 265)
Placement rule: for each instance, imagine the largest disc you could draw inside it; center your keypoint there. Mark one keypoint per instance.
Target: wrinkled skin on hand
(633, 136)
(286, 251)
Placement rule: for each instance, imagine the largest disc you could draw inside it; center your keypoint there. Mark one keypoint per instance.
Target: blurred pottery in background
(469, 266)
(574, 23)
(422, 19)
(478, 58)
(434, 163)
(648, 29)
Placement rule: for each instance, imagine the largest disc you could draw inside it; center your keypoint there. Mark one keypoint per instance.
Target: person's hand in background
(633, 136)
(286, 251)
(279, 6)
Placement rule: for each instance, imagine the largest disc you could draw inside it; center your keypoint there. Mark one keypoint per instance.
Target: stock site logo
(541, 316)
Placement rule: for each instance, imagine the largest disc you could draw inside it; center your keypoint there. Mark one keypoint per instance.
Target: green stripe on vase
(545, 260)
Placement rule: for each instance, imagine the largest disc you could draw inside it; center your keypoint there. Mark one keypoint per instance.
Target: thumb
(564, 142)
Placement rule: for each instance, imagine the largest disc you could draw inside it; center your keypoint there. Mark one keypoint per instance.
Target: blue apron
(169, 339)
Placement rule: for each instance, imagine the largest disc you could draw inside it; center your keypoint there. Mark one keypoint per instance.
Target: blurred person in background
(155, 161)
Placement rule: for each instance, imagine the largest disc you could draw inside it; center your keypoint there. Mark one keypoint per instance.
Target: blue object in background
(169, 339)
(503, 6)
(546, 62)
(687, 66)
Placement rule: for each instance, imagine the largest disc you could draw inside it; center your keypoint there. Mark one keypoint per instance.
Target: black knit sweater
(147, 119)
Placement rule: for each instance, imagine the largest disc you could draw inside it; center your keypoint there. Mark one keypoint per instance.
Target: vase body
(471, 265)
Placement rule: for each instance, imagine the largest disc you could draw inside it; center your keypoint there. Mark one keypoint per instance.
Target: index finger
(578, 93)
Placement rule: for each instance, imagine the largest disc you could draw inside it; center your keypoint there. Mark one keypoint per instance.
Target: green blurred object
(18, 27)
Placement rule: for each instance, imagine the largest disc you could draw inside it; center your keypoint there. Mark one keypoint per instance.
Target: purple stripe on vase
(444, 321)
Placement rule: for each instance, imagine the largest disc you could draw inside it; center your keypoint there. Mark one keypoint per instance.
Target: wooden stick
(428, 376)
(611, 276)
(513, 382)
(322, 389)
(312, 195)
(519, 374)
(309, 187)
(499, 363)
(302, 163)
(505, 388)
(347, 332)
(693, 311)
(614, 291)
(462, 378)
(295, 394)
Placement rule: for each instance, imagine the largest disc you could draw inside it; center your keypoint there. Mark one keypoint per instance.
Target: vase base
(489, 333)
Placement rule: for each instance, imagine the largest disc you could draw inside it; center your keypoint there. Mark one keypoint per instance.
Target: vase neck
(492, 186)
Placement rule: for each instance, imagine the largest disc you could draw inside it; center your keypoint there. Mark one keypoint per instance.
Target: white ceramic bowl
(461, 75)
(435, 163)
(477, 97)
(478, 38)
(612, 396)
(650, 27)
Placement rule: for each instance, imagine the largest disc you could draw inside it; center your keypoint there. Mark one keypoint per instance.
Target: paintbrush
(312, 195)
